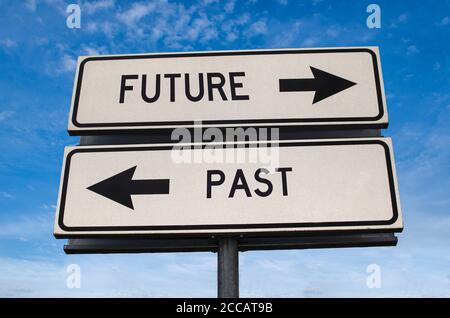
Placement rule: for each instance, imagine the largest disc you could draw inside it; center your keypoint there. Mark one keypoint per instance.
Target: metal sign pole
(228, 268)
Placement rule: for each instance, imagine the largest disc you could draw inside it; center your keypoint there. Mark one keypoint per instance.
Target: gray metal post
(228, 268)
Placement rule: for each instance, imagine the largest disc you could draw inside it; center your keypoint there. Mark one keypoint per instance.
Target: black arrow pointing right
(121, 186)
(323, 83)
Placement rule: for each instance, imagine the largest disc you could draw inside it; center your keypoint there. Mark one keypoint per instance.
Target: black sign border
(69, 229)
(168, 124)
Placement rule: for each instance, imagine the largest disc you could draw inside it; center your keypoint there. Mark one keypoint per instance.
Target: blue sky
(37, 63)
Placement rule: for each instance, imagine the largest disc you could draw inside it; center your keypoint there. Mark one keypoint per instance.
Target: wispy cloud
(46, 206)
(401, 19)
(179, 26)
(6, 195)
(64, 64)
(444, 21)
(31, 5)
(7, 43)
(257, 28)
(229, 6)
(283, 2)
(92, 7)
(412, 50)
(93, 49)
(110, 276)
(138, 11)
(39, 225)
(6, 114)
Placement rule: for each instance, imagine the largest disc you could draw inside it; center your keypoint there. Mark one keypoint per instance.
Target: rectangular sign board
(291, 87)
(299, 186)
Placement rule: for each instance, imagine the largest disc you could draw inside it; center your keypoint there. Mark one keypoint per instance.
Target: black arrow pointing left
(121, 186)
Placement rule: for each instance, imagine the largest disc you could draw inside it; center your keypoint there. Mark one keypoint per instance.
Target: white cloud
(137, 11)
(257, 28)
(233, 26)
(314, 30)
(93, 50)
(179, 26)
(444, 21)
(333, 31)
(231, 37)
(6, 114)
(310, 41)
(283, 2)
(208, 2)
(106, 27)
(59, 5)
(92, 7)
(36, 226)
(48, 206)
(68, 63)
(8, 43)
(6, 195)
(92, 26)
(241, 20)
(145, 275)
(63, 63)
(412, 50)
(31, 5)
(201, 28)
(401, 19)
(25, 278)
(229, 6)
(41, 41)
(289, 39)
(408, 76)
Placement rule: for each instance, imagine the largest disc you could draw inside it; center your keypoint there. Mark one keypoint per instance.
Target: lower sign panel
(274, 188)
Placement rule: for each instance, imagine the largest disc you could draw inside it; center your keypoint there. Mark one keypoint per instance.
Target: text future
(211, 86)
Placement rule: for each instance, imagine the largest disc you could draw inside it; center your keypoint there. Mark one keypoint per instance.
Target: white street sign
(306, 186)
(295, 87)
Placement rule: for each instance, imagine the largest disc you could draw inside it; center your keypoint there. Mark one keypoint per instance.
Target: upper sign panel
(307, 87)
